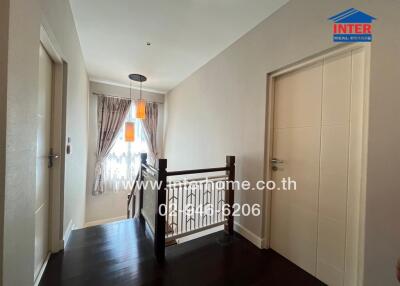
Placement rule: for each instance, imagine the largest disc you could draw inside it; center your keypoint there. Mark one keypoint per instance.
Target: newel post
(159, 237)
(229, 193)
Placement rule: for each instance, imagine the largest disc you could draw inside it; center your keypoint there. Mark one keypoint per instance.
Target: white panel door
(297, 121)
(42, 169)
(318, 137)
(336, 101)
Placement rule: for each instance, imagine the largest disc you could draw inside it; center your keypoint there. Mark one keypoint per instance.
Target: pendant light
(129, 125)
(129, 131)
(140, 106)
(141, 103)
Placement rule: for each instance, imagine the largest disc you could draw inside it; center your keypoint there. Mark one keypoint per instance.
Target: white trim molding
(42, 269)
(56, 203)
(104, 221)
(67, 233)
(249, 235)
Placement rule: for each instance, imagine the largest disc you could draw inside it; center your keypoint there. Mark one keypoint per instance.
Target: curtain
(150, 130)
(122, 163)
(111, 113)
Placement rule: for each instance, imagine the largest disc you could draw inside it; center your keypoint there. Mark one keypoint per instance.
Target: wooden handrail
(131, 194)
(154, 170)
(197, 171)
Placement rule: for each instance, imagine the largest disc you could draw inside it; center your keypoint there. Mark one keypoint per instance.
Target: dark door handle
(51, 158)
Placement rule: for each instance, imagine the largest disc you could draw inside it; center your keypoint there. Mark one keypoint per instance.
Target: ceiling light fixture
(140, 103)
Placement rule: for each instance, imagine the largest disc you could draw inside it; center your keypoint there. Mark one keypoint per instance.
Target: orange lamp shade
(129, 131)
(140, 109)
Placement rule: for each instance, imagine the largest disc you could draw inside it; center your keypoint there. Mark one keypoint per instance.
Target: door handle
(51, 158)
(275, 161)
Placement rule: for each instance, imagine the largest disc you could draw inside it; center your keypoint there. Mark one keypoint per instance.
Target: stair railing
(165, 208)
(131, 201)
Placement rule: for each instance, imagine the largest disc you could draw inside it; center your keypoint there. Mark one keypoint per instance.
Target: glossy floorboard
(121, 254)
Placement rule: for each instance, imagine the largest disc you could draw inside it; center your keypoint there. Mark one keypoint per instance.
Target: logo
(352, 26)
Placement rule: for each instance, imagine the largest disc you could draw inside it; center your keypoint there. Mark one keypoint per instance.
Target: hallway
(121, 253)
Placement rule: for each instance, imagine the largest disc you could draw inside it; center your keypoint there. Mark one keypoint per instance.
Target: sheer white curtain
(123, 161)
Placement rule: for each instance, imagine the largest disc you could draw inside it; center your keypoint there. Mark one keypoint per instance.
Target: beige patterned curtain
(150, 130)
(111, 113)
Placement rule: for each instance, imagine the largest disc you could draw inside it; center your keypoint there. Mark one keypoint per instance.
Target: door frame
(267, 195)
(58, 138)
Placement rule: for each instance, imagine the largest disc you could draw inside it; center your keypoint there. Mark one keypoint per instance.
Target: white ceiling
(184, 35)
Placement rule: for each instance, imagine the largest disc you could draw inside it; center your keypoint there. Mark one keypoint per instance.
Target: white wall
(57, 17)
(4, 22)
(19, 196)
(25, 18)
(221, 109)
(111, 205)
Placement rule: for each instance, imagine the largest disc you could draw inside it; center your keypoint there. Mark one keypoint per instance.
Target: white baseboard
(265, 243)
(42, 269)
(250, 236)
(67, 233)
(103, 221)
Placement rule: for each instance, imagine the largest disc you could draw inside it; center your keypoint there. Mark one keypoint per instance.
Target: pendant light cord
(130, 90)
(130, 98)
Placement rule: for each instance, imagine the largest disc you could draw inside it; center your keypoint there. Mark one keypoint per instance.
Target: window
(123, 162)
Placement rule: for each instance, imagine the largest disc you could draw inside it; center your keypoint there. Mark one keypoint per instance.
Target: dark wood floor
(121, 254)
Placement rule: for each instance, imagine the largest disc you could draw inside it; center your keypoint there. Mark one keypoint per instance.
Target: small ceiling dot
(148, 43)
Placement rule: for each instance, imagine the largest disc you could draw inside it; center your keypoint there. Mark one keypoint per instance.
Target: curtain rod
(121, 97)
